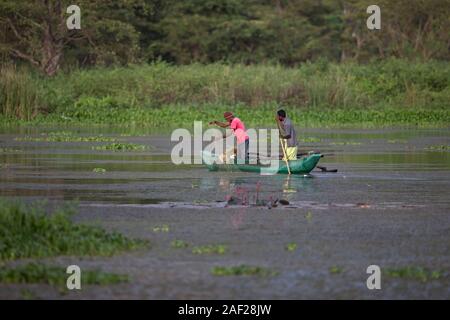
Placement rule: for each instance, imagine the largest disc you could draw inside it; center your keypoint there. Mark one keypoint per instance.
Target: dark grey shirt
(288, 130)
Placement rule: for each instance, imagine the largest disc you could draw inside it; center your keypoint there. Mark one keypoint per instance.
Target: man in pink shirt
(238, 128)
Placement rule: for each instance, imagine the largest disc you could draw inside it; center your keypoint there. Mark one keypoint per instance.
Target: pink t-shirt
(239, 130)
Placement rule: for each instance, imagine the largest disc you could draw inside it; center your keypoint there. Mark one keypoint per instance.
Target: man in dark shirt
(288, 135)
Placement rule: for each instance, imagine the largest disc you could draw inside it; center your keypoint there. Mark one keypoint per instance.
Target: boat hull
(301, 166)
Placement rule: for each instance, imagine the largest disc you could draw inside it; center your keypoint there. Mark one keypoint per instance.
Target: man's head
(281, 114)
(228, 116)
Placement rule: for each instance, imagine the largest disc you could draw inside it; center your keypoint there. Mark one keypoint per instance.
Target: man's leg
(242, 150)
(291, 153)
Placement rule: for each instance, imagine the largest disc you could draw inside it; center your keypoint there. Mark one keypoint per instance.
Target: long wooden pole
(284, 151)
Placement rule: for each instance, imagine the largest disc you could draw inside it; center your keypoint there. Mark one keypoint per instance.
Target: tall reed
(19, 93)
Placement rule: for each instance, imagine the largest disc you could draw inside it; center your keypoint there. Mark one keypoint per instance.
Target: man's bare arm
(220, 124)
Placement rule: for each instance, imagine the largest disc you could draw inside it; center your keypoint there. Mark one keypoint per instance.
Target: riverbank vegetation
(321, 94)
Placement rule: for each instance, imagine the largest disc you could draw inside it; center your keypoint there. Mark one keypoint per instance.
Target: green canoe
(301, 166)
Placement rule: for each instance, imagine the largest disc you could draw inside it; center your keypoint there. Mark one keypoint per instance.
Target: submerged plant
(310, 140)
(335, 270)
(179, 244)
(308, 216)
(9, 150)
(242, 270)
(66, 136)
(291, 246)
(438, 148)
(162, 228)
(210, 249)
(413, 273)
(122, 147)
(397, 141)
(346, 143)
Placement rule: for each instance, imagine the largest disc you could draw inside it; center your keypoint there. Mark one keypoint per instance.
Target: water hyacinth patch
(242, 270)
(438, 148)
(210, 249)
(122, 147)
(28, 231)
(414, 273)
(56, 276)
(291, 247)
(179, 244)
(162, 228)
(65, 136)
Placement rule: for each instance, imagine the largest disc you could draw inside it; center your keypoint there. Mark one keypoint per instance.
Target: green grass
(55, 276)
(28, 231)
(414, 273)
(210, 249)
(378, 94)
(179, 244)
(121, 147)
(242, 270)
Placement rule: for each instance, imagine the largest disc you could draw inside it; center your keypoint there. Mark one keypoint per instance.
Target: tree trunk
(52, 52)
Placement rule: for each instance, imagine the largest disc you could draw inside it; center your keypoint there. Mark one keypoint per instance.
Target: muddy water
(388, 204)
(384, 169)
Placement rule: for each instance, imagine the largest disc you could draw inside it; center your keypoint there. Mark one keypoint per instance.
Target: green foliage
(27, 231)
(55, 276)
(242, 270)
(414, 273)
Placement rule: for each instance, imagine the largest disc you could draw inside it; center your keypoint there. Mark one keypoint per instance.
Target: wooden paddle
(324, 169)
(284, 150)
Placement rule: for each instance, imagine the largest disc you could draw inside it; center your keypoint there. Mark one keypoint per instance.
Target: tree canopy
(288, 32)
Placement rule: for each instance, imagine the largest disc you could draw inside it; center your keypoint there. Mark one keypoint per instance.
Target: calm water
(380, 169)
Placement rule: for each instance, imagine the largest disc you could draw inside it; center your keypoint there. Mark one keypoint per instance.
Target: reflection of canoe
(301, 166)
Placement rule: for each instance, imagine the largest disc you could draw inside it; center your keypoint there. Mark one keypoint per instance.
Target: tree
(409, 29)
(36, 31)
